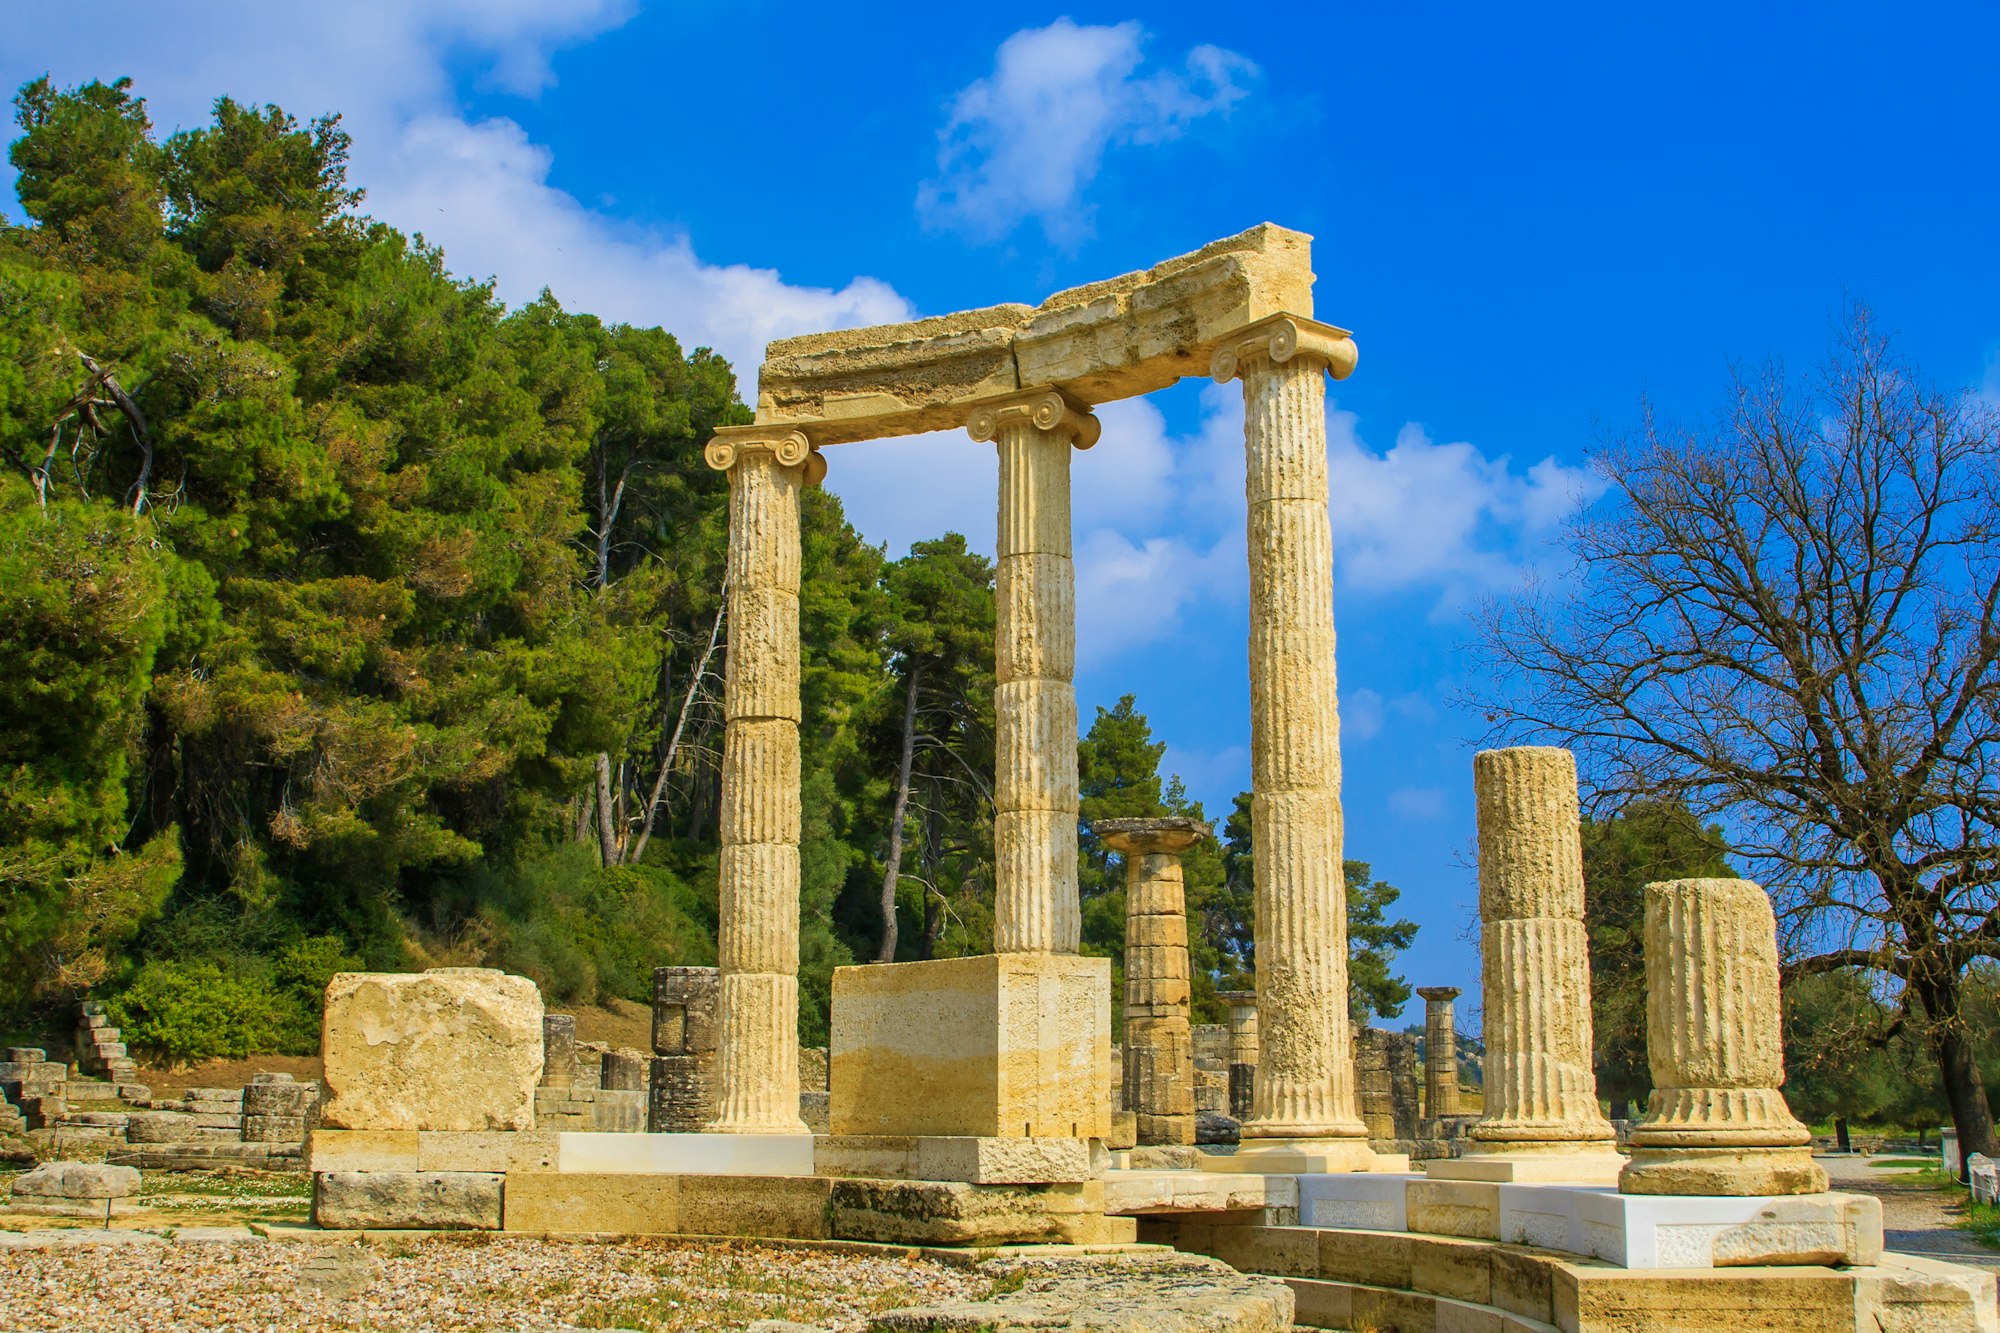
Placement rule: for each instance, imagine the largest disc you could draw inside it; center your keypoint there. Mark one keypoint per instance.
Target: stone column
(1541, 1120)
(1305, 1081)
(1716, 1122)
(1242, 1050)
(1440, 1052)
(757, 1060)
(1034, 699)
(1159, 1045)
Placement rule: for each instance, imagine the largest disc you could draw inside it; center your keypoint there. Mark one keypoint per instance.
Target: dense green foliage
(352, 619)
(1622, 854)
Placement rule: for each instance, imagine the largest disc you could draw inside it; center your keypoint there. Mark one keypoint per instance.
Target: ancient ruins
(974, 1102)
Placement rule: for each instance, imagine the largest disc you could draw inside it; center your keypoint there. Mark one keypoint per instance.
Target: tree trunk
(680, 726)
(607, 823)
(1971, 1112)
(1841, 1141)
(892, 871)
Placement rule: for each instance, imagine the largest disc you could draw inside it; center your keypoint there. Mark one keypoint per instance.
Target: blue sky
(1530, 217)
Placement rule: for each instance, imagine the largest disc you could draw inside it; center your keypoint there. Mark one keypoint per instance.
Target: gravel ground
(454, 1285)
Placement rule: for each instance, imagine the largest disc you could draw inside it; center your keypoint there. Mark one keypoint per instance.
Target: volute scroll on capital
(1282, 337)
(790, 448)
(1046, 409)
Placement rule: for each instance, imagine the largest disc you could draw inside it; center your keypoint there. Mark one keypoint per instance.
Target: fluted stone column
(1541, 1120)
(1440, 1052)
(1159, 1043)
(1716, 1122)
(1242, 1050)
(1035, 795)
(757, 1058)
(1305, 1079)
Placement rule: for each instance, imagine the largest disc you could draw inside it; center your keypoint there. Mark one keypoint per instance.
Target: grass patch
(1983, 1221)
(1903, 1163)
(264, 1196)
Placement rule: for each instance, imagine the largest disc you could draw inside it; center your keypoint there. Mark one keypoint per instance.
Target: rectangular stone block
(337, 1150)
(976, 1161)
(616, 1203)
(1321, 1304)
(1006, 1046)
(454, 1048)
(787, 1208)
(687, 1154)
(1455, 1208)
(496, 1150)
(920, 1212)
(407, 1200)
(684, 1010)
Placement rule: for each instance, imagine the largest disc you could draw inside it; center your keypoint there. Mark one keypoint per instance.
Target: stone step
(1323, 1303)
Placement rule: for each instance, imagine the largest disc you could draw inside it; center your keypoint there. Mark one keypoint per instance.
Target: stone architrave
(1440, 1052)
(757, 952)
(1541, 1120)
(1242, 1050)
(454, 1048)
(1035, 907)
(1159, 1042)
(1305, 1094)
(1716, 1122)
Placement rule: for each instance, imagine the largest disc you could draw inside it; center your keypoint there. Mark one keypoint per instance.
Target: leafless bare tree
(1790, 620)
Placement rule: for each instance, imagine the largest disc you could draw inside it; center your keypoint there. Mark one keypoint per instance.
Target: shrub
(189, 1011)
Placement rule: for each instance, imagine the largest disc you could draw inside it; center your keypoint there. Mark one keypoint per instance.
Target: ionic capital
(1046, 409)
(1282, 337)
(790, 448)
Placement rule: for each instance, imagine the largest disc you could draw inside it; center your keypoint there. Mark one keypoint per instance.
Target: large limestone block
(454, 1048)
(616, 1203)
(1006, 1046)
(1117, 338)
(933, 1212)
(77, 1180)
(407, 1200)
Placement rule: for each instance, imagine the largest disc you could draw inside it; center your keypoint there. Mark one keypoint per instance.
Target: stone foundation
(1001, 1046)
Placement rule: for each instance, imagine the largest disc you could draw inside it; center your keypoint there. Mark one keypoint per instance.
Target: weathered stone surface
(1113, 339)
(919, 1212)
(978, 1161)
(558, 1050)
(1159, 1075)
(1111, 1294)
(684, 1001)
(338, 1272)
(1035, 906)
(403, 1200)
(756, 1074)
(451, 1048)
(1541, 1119)
(999, 1046)
(1716, 1122)
(77, 1180)
(1305, 1080)
(1440, 1051)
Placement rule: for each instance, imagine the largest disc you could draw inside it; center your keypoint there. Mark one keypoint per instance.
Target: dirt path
(1916, 1219)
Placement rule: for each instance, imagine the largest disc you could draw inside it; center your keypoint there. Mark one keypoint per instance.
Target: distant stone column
(1372, 1082)
(1541, 1119)
(1242, 1050)
(1035, 906)
(1159, 1045)
(1440, 1052)
(558, 1050)
(1716, 1122)
(757, 1063)
(1305, 1081)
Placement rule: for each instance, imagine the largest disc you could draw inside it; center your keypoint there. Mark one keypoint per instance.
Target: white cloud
(1023, 142)
(1443, 516)
(480, 188)
(1362, 713)
(1417, 803)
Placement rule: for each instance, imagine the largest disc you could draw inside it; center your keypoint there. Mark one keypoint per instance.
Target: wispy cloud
(479, 188)
(1023, 143)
